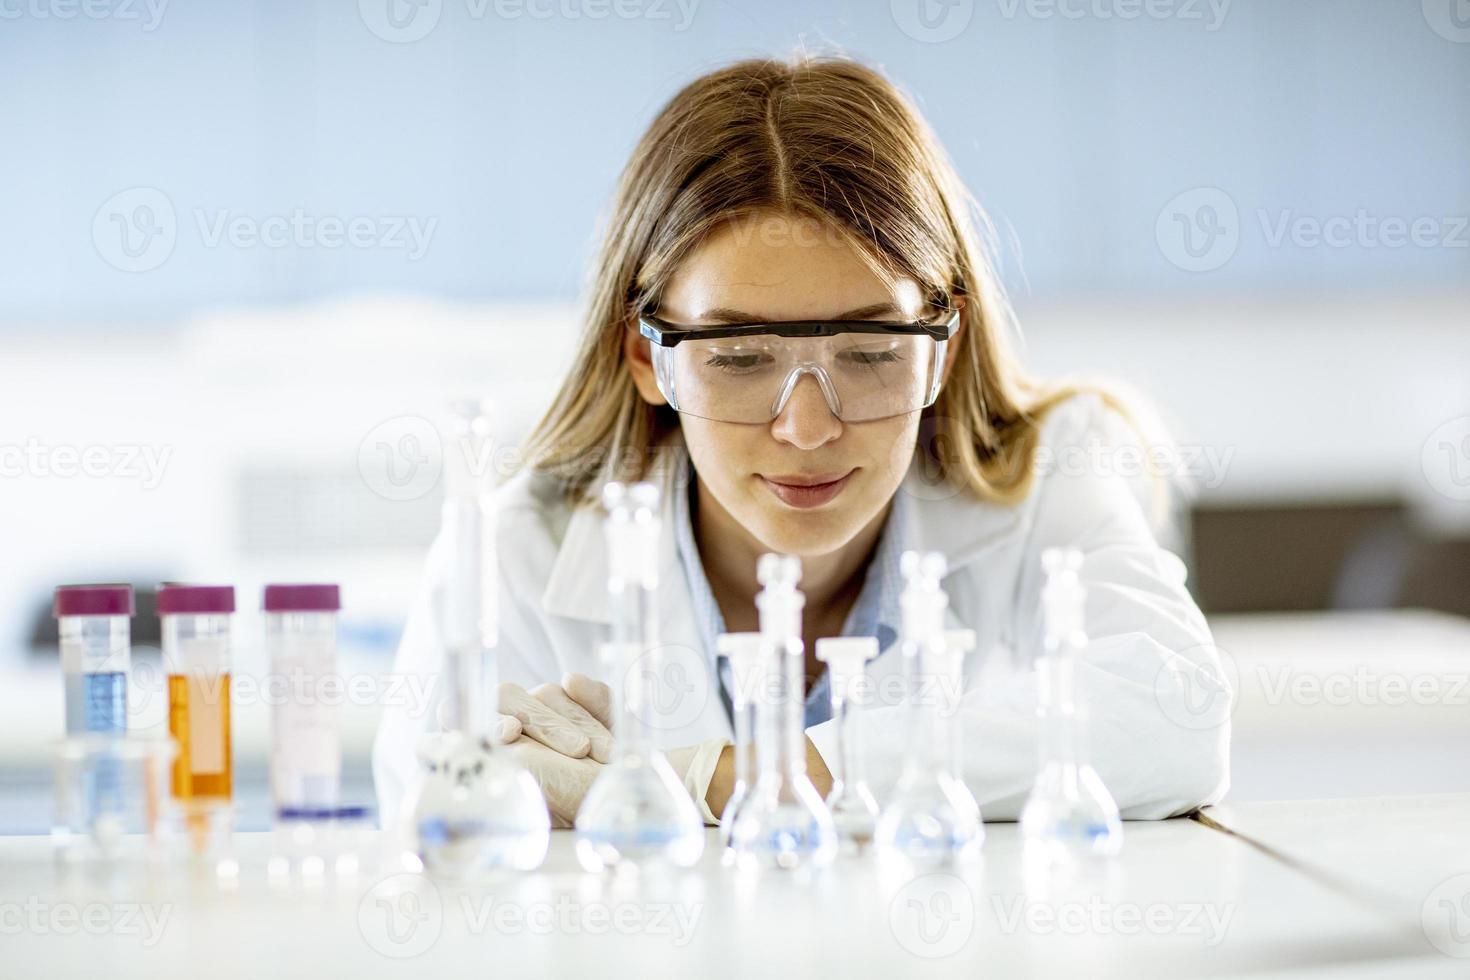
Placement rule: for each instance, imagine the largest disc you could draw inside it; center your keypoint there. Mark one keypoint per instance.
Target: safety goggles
(866, 369)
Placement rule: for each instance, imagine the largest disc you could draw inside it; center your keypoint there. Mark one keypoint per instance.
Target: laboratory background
(249, 250)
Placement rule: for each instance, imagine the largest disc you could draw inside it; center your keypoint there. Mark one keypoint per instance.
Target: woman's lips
(804, 491)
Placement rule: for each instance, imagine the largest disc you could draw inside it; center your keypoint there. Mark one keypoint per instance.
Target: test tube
(854, 810)
(92, 625)
(743, 651)
(306, 749)
(196, 657)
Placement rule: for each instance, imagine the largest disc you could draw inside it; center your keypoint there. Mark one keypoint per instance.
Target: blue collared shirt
(875, 613)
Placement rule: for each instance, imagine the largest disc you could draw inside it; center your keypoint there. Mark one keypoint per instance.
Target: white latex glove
(586, 705)
(554, 717)
(593, 695)
(563, 780)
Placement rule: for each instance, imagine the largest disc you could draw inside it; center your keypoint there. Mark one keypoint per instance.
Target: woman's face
(771, 268)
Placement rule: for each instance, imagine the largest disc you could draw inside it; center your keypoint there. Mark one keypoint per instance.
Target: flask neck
(1061, 732)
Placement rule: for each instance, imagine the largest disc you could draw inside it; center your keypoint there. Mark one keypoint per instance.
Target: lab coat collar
(946, 517)
(943, 517)
(577, 586)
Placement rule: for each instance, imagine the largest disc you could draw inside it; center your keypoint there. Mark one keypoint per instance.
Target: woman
(892, 416)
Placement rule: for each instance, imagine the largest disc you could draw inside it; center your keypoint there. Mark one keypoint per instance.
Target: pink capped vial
(306, 749)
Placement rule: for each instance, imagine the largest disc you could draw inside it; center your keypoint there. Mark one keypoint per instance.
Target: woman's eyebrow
(725, 314)
(872, 312)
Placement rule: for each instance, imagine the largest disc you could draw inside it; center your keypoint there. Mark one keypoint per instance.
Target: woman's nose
(806, 420)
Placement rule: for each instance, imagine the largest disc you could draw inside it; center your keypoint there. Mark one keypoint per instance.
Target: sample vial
(306, 749)
(92, 623)
(196, 657)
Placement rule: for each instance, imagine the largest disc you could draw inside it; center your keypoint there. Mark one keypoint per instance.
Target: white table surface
(1345, 704)
(1320, 888)
(1218, 907)
(1409, 856)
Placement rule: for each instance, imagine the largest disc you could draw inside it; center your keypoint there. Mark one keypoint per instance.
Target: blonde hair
(816, 137)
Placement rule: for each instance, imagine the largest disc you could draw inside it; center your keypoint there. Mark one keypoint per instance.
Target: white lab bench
(1184, 899)
(1407, 855)
(1300, 730)
(1367, 886)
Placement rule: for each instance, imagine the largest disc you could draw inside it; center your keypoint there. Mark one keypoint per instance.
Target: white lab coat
(1146, 739)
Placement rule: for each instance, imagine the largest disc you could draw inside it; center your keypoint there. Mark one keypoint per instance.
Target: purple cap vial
(92, 600)
(302, 598)
(195, 599)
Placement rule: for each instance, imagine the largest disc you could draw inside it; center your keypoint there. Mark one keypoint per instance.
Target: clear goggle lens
(749, 378)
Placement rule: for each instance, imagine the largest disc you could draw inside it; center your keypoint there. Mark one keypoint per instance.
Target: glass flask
(637, 811)
(785, 824)
(477, 809)
(1070, 814)
(932, 819)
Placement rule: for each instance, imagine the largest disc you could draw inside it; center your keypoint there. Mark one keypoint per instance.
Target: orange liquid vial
(199, 720)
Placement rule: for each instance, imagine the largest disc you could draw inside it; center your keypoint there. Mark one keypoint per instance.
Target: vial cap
(926, 566)
(92, 600)
(634, 496)
(472, 408)
(197, 599)
(631, 529)
(744, 651)
(960, 640)
(643, 496)
(778, 570)
(613, 495)
(739, 646)
(847, 649)
(1056, 561)
(302, 598)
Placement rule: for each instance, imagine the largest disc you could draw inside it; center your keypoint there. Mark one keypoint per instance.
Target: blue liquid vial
(93, 626)
(93, 629)
(97, 702)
